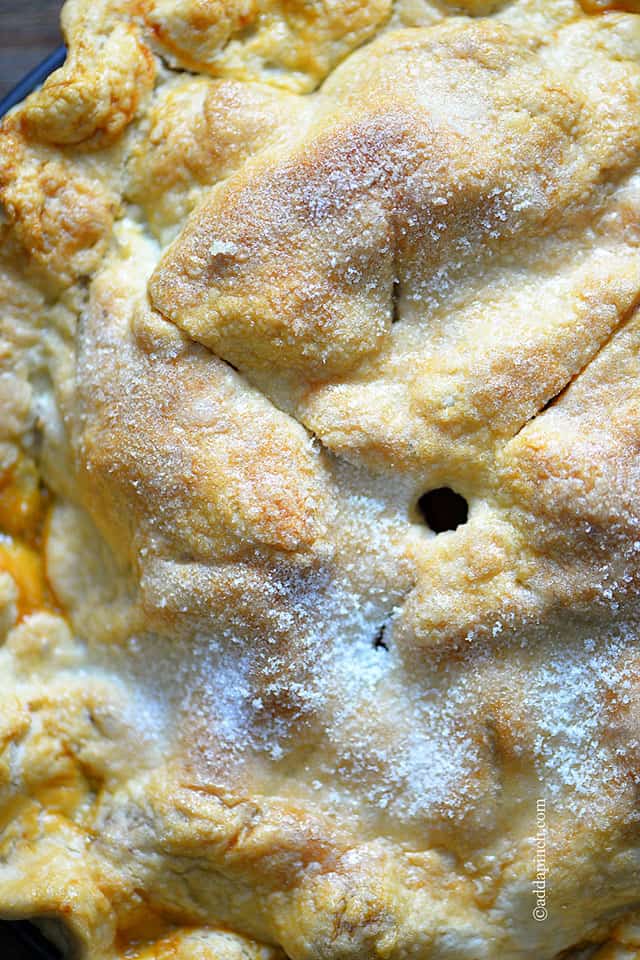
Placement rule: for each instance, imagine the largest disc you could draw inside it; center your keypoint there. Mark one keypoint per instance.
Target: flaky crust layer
(270, 272)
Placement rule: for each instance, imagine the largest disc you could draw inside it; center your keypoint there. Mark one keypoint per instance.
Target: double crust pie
(273, 273)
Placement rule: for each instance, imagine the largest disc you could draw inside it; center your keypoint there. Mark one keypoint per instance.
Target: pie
(320, 482)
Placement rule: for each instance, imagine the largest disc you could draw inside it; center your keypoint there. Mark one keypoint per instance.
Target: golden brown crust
(61, 218)
(199, 132)
(251, 706)
(292, 45)
(96, 93)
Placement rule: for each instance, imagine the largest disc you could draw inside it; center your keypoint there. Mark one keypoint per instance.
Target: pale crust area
(270, 271)
(291, 44)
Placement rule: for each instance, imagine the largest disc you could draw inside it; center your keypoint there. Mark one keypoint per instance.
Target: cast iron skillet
(19, 939)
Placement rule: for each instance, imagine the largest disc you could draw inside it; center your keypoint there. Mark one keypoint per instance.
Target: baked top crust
(270, 272)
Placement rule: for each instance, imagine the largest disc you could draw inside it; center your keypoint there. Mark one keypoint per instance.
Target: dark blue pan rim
(24, 931)
(33, 79)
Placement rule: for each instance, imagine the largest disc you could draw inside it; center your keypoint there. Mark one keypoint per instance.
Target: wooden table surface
(29, 30)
